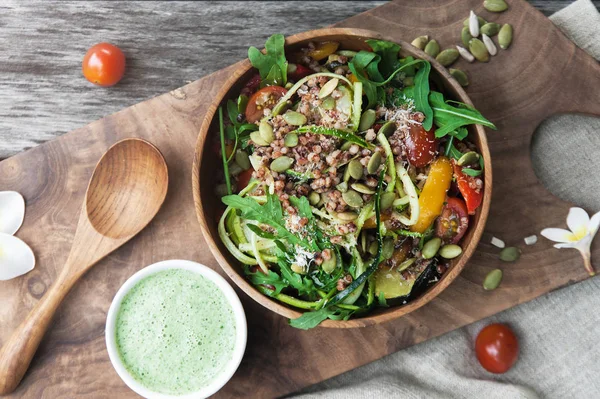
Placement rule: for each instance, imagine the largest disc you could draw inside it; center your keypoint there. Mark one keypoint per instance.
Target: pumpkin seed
(469, 158)
(408, 81)
(280, 107)
(460, 76)
(447, 57)
(495, 5)
(329, 265)
(281, 164)
(257, 139)
(347, 216)
(290, 140)
(296, 268)
(450, 251)
(235, 169)
(314, 198)
(406, 264)
(328, 88)
(479, 19)
(328, 103)
(431, 247)
(492, 280)
(489, 44)
(362, 188)
(505, 36)
(374, 163)
(343, 187)
(479, 51)
(294, 118)
(387, 200)
(420, 42)
(346, 146)
(367, 119)
(465, 54)
(510, 254)
(346, 53)
(388, 128)
(373, 248)
(432, 48)
(266, 131)
(473, 24)
(355, 169)
(353, 199)
(490, 29)
(242, 159)
(221, 190)
(465, 36)
(388, 248)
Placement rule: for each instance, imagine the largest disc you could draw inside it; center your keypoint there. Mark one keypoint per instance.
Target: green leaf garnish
(275, 56)
(342, 134)
(448, 118)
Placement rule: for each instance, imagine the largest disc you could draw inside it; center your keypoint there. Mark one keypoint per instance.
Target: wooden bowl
(207, 163)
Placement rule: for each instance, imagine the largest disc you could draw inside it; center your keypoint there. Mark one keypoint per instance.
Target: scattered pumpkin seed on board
(492, 280)
(510, 254)
(495, 5)
(465, 36)
(505, 36)
(479, 51)
(432, 48)
(447, 57)
(420, 42)
(460, 76)
(490, 29)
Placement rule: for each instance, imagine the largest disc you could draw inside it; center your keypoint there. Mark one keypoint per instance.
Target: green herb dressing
(175, 332)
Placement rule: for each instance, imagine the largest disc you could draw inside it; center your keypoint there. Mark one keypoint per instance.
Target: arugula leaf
(472, 172)
(303, 207)
(232, 112)
(342, 134)
(452, 151)
(260, 232)
(382, 301)
(422, 94)
(310, 320)
(448, 118)
(275, 55)
(358, 66)
(388, 52)
(461, 133)
(272, 278)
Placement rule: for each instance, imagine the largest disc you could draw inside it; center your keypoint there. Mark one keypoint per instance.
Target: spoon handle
(17, 352)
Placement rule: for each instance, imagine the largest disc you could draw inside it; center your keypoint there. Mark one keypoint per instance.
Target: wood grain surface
(516, 91)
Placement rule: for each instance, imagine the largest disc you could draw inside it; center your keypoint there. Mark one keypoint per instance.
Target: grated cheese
(303, 257)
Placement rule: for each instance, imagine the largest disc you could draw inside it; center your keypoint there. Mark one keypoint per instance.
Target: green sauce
(175, 332)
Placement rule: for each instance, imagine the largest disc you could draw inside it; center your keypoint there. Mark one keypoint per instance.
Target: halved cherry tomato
(470, 187)
(421, 145)
(300, 72)
(252, 85)
(103, 64)
(497, 348)
(244, 179)
(266, 97)
(452, 224)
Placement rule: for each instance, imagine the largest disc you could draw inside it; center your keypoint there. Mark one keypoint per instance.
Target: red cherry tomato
(420, 145)
(244, 179)
(300, 72)
(453, 223)
(266, 97)
(470, 187)
(104, 64)
(497, 348)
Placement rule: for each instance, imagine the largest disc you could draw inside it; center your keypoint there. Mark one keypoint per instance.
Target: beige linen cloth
(559, 333)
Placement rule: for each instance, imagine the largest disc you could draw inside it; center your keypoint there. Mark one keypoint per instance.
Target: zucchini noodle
(230, 245)
(389, 156)
(413, 198)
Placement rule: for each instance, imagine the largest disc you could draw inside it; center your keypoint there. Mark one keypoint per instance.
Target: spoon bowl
(127, 188)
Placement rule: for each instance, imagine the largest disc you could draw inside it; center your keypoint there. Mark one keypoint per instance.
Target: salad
(348, 179)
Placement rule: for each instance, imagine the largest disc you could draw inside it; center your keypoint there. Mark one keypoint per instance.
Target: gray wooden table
(168, 44)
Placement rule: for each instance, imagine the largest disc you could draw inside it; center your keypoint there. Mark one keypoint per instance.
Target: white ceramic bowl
(239, 316)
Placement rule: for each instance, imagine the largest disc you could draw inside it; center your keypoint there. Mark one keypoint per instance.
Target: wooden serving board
(542, 74)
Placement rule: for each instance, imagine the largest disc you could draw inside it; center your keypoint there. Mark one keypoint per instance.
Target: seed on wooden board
(257, 139)
(281, 164)
(374, 163)
(510, 254)
(479, 19)
(469, 158)
(495, 5)
(473, 24)
(266, 131)
(353, 199)
(431, 248)
(505, 36)
(465, 36)
(362, 188)
(328, 88)
(432, 48)
(355, 169)
(447, 57)
(290, 140)
(450, 251)
(314, 198)
(460, 76)
(465, 54)
(479, 51)
(420, 42)
(492, 280)
(387, 200)
(294, 118)
(489, 44)
(367, 119)
(490, 29)
(242, 159)
(347, 216)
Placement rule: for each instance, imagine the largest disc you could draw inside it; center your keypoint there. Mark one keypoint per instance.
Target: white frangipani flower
(580, 235)
(16, 258)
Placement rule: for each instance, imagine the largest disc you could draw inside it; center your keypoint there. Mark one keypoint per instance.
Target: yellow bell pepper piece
(323, 50)
(431, 200)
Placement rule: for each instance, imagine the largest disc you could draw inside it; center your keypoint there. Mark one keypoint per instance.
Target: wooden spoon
(126, 190)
